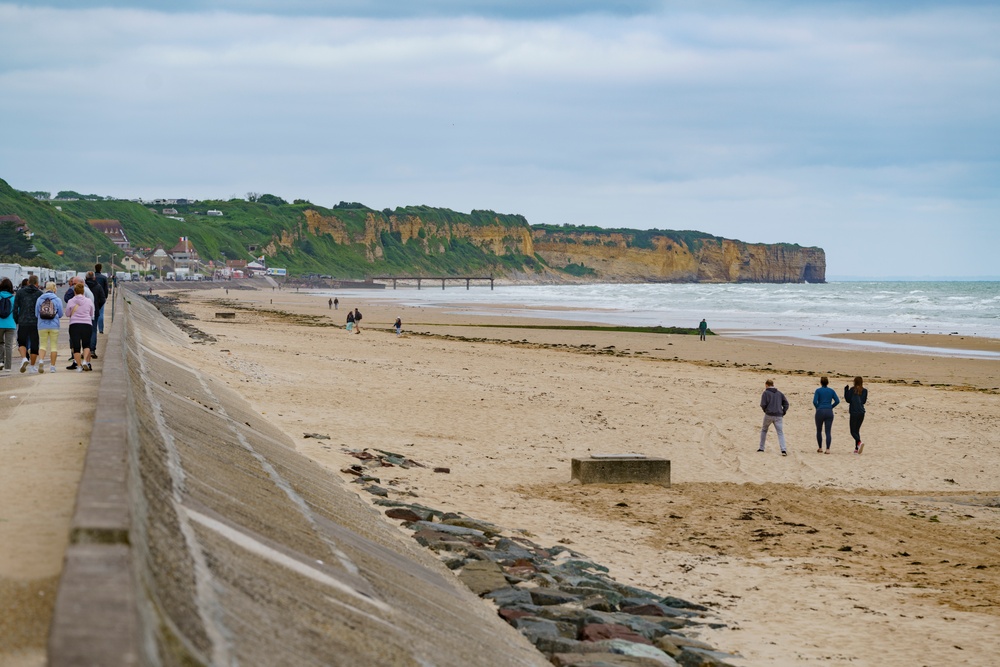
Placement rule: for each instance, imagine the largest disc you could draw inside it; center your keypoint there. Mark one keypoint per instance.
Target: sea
(804, 311)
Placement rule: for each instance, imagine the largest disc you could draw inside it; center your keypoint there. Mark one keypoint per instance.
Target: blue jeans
(93, 336)
(100, 319)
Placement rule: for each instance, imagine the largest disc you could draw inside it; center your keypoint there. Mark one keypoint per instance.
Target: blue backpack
(6, 307)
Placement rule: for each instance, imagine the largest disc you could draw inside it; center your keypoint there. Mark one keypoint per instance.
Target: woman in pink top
(81, 317)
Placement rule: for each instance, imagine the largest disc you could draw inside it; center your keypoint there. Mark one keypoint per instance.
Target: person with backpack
(48, 310)
(357, 321)
(8, 327)
(27, 323)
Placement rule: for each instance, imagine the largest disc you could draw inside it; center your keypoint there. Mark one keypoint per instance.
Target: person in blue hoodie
(48, 327)
(824, 400)
(8, 327)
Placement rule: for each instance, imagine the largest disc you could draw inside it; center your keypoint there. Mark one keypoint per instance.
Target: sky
(869, 129)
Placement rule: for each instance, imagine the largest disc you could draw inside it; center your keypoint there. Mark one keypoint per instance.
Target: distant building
(113, 230)
(170, 211)
(184, 255)
(159, 260)
(214, 212)
(135, 264)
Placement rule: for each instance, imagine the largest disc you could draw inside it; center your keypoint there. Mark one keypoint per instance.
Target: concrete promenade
(200, 536)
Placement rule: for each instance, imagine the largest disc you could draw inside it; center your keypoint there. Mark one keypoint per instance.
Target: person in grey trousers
(775, 405)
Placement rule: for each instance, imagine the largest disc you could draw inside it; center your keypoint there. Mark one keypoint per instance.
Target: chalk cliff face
(497, 238)
(699, 258)
(604, 255)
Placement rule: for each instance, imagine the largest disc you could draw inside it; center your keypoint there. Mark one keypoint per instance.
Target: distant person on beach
(8, 327)
(336, 303)
(357, 321)
(702, 329)
(775, 405)
(398, 325)
(330, 303)
(824, 400)
(350, 322)
(856, 397)
(48, 326)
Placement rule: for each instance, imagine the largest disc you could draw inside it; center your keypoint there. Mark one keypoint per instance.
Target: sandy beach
(890, 558)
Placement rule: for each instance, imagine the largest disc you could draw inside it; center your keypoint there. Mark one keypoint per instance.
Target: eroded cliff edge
(566, 253)
(626, 255)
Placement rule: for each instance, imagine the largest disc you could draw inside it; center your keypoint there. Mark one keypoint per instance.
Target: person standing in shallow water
(856, 397)
(702, 329)
(824, 400)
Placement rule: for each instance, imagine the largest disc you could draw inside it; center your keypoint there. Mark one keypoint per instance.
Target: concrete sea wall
(201, 537)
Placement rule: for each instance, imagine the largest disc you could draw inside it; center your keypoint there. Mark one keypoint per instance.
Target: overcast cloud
(872, 134)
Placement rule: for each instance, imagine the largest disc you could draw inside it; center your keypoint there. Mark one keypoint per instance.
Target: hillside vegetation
(352, 241)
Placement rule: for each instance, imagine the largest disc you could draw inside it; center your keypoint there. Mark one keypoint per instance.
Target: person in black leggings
(856, 397)
(824, 400)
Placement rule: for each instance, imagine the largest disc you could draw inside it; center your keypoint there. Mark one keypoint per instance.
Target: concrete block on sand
(621, 469)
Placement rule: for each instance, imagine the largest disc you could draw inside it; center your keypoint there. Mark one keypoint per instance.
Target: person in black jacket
(102, 280)
(856, 397)
(27, 323)
(100, 296)
(775, 405)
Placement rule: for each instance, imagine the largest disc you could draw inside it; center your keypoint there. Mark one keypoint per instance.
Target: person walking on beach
(48, 310)
(330, 304)
(357, 321)
(775, 405)
(8, 326)
(702, 329)
(336, 303)
(856, 397)
(350, 322)
(81, 315)
(398, 326)
(824, 400)
(27, 323)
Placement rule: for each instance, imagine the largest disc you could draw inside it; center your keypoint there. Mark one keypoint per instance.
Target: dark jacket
(773, 402)
(100, 296)
(856, 401)
(102, 280)
(24, 305)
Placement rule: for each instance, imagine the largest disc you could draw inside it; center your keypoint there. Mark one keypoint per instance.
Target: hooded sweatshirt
(24, 305)
(53, 323)
(8, 322)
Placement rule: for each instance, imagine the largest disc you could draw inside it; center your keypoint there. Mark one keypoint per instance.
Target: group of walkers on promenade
(31, 316)
(775, 406)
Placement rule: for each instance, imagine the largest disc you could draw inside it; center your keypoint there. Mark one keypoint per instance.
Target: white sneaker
(33, 370)
(79, 369)
(52, 369)
(41, 368)
(24, 365)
